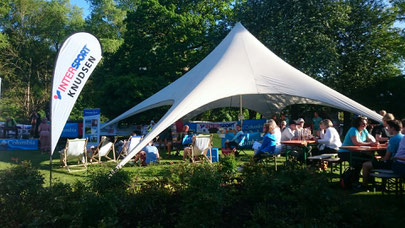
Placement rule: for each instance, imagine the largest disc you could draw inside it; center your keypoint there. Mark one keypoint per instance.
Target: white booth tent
(239, 68)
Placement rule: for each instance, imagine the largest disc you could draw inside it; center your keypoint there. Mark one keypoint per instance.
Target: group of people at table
(387, 137)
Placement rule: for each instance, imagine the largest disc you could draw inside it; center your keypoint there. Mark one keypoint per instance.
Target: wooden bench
(330, 158)
(390, 182)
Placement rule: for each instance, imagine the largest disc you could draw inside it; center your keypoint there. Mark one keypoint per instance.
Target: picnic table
(299, 143)
(363, 149)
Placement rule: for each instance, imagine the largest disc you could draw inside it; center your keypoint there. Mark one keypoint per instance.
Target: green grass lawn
(41, 162)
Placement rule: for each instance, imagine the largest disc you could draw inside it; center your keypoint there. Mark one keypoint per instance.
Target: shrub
(101, 182)
(20, 194)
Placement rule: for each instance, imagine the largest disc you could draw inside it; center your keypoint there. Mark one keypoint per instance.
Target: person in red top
(179, 126)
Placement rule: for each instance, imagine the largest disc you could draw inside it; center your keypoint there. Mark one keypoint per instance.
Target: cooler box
(215, 155)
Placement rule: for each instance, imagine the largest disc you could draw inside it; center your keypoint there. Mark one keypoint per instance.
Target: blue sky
(82, 4)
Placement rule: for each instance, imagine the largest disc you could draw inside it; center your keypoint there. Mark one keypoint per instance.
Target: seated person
(356, 136)
(380, 132)
(289, 132)
(90, 153)
(283, 125)
(330, 139)
(394, 129)
(123, 146)
(269, 141)
(398, 165)
(178, 143)
(299, 127)
(234, 142)
(149, 154)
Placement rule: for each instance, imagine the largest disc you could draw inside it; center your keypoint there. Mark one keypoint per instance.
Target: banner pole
(50, 171)
(50, 138)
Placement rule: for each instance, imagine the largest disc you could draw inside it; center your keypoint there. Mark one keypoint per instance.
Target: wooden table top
(364, 148)
(298, 142)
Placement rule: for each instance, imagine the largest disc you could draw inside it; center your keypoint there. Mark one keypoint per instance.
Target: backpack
(348, 178)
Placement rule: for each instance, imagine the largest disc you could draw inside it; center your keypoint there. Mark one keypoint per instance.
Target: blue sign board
(71, 130)
(249, 140)
(91, 112)
(253, 125)
(18, 144)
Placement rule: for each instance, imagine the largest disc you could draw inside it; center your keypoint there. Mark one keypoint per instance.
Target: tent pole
(240, 111)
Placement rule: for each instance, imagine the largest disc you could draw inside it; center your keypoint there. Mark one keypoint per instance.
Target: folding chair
(242, 144)
(129, 145)
(75, 148)
(200, 146)
(103, 149)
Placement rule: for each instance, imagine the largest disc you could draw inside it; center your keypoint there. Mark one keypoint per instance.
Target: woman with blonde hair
(269, 141)
(330, 139)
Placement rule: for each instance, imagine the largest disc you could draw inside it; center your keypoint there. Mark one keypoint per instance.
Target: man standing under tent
(316, 120)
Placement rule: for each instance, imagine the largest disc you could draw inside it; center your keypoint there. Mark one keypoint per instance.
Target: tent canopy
(239, 65)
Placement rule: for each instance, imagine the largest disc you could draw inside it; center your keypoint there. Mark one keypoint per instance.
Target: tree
(106, 22)
(164, 39)
(31, 34)
(350, 45)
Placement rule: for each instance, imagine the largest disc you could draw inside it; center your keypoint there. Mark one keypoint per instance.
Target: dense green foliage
(350, 45)
(190, 195)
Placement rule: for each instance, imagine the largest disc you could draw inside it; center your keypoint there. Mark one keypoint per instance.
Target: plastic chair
(242, 144)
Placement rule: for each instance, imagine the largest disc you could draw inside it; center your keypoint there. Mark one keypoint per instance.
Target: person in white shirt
(289, 132)
(331, 138)
(299, 129)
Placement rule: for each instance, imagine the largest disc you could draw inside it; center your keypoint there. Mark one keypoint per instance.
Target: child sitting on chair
(90, 153)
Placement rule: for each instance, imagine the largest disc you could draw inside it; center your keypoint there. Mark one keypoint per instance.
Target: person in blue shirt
(149, 154)
(316, 120)
(394, 129)
(235, 141)
(268, 146)
(356, 136)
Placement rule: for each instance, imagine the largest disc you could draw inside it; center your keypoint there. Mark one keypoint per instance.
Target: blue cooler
(215, 155)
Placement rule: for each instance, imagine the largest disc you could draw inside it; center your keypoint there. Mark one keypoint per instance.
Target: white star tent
(239, 67)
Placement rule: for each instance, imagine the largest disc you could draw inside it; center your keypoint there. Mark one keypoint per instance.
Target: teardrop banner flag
(78, 56)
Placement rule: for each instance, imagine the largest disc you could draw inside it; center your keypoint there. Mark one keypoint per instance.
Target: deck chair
(200, 146)
(103, 150)
(75, 148)
(129, 145)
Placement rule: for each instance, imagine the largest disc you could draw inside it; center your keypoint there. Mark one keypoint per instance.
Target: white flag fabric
(78, 56)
